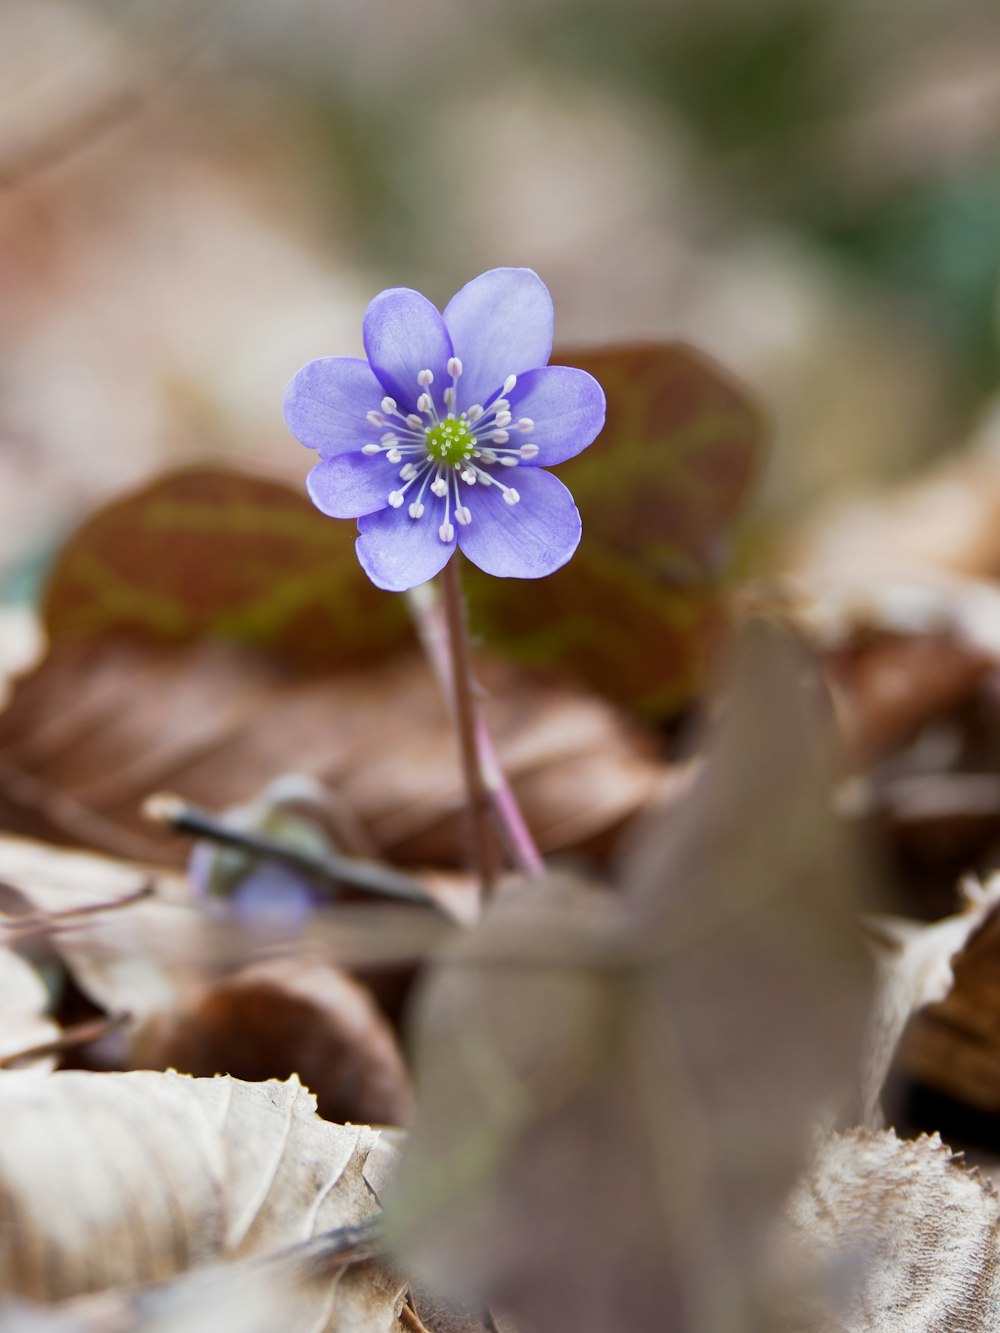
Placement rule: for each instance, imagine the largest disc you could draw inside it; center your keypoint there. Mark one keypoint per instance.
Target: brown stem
(465, 725)
(79, 1035)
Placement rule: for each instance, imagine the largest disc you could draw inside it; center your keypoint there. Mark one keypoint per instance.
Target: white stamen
(425, 377)
(454, 367)
(510, 496)
(469, 477)
(500, 437)
(509, 383)
(449, 396)
(440, 487)
(396, 498)
(526, 424)
(388, 406)
(528, 451)
(487, 456)
(413, 420)
(375, 418)
(424, 403)
(372, 449)
(446, 532)
(390, 438)
(503, 419)
(416, 509)
(463, 516)
(394, 456)
(408, 472)
(474, 412)
(508, 461)
(501, 405)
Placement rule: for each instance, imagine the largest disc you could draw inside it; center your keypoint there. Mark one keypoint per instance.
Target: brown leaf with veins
(216, 723)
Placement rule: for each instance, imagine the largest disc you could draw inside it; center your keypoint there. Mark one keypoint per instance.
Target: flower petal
(403, 335)
(327, 401)
(567, 407)
(500, 324)
(352, 484)
(398, 552)
(523, 541)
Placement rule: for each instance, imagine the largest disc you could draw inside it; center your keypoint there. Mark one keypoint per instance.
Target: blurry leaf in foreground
(123, 1180)
(23, 1004)
(217, 723)
(660, 492)
(613, 1101)
(888, 1235)
(284, 1016)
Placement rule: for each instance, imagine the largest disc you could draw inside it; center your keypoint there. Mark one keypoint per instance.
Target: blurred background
(197, 198)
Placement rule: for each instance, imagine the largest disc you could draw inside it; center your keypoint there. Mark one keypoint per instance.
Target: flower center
(450, 440)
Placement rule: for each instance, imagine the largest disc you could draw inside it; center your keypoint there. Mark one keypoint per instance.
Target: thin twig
(433, 631)
(40, 923)
(80, 1034)
(410, 1318)
(329, 868)
(465, 726)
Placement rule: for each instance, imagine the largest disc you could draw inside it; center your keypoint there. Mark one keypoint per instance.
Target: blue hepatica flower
(440, 439)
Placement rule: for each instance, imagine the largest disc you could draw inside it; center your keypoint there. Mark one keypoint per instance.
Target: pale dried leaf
(123, 1180)
(23, 1002)
(888, 1235)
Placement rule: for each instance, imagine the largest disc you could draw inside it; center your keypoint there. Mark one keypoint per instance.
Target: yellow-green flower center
(450, 440)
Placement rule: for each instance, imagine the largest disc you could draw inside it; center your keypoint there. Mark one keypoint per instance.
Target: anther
(500, 437)
(396, 498)
(425, 377)
(528, 451)
(454, 367)
(424, 402)
(371, 449)
(526, 424)
(413, 420)
(487, 456)
(446, 532)
(394, 456)
(416, 509)
(388, 406)
(469, 477)
(507, 461)
(408, 472)
(474, 412)
(375, 418)
(503, 419)
(440, 487)
(390, 438)
(509, 383)
(449, 396)
(463, 516)
(501, 405)
(510, 496)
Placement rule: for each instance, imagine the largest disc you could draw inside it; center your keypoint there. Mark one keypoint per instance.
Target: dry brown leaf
(668, 1057)
(216, 724)
(888, 1235)
(287, 1016)
(123, 1180)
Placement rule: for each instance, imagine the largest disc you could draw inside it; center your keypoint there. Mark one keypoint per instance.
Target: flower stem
(465, 725)
(435, 635)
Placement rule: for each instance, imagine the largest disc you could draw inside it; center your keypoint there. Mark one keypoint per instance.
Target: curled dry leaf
(952, 1040)
(216, 724)
(915, 967)
(124, 1180)
(888, 1235)
(288, 1016)
(669, 1052)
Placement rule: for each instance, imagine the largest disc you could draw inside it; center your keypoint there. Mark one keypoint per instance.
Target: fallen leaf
(660, 493)
(123, 1180)
(888, 1235)
(285, 1016)
(24, 1002)
(216, 724)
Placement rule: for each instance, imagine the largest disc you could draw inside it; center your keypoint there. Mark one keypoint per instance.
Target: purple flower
(442, 436)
